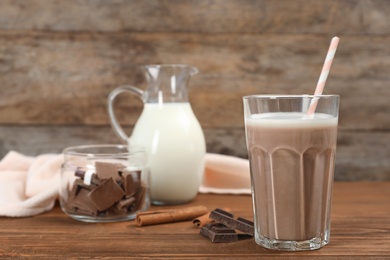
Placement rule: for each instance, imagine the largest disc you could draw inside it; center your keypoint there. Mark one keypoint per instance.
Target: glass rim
(86, 150)
(292, 96)
(193, 70)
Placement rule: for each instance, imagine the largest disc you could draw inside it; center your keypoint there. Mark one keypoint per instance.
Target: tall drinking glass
(291, 154)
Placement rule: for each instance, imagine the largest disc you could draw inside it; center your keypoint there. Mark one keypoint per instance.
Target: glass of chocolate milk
(291, 153)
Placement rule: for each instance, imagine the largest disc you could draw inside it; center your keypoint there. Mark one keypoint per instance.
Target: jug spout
(168, 83)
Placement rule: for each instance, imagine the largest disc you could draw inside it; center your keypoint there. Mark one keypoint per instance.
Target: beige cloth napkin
(29, 185)
(226, 174)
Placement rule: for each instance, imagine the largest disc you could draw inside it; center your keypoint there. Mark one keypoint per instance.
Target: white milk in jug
(175, 154)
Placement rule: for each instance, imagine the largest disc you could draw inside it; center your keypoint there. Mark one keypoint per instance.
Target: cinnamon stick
(204, 219)
(169, 216)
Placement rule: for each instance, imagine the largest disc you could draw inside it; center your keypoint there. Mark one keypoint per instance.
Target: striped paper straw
(324, 74)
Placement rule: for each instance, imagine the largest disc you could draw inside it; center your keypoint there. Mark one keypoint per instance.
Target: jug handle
(114, 122)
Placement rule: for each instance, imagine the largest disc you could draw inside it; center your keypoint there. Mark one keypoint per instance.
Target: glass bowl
(104, 183)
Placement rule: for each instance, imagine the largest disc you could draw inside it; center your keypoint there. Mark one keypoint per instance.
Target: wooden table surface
(360, 229)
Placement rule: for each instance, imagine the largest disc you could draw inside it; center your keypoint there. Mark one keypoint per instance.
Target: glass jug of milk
(169, 131)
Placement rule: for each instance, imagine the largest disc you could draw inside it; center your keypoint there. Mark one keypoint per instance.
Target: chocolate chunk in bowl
(106, 194)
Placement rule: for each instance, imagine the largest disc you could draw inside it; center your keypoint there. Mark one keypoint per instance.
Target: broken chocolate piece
(219, 233)
(79, 184)
(124, 204)
(79, 173)
(82, 202)
(76, 187)
(226, 218)
(106, 194)
(131, 182)
(85, 212)
(106, 170)
(139, 199)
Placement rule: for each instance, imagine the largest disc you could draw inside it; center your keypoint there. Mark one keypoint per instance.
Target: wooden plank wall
(59, 60)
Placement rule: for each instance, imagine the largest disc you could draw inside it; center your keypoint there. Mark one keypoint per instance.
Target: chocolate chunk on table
(219, 233)
(226, 218)
(106, 194)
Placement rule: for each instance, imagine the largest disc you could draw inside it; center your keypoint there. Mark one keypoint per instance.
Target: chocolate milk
(292, 165)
